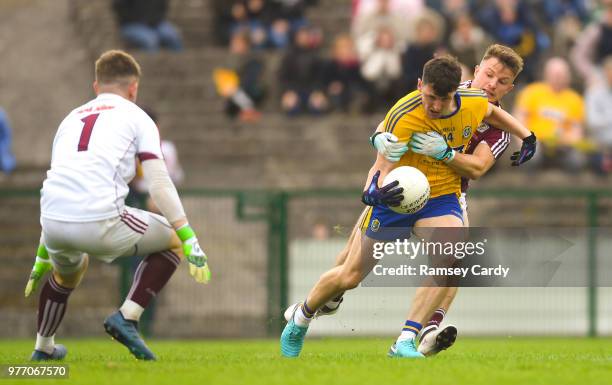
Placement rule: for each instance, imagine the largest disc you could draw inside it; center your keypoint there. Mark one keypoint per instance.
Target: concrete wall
(45, 73)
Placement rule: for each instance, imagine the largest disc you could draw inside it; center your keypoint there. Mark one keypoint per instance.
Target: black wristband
(531, 139)
(373, 137)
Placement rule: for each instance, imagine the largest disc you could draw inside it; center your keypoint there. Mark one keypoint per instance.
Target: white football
(416, 188)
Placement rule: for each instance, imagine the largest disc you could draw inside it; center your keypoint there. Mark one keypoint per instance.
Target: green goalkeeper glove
(40, 268)
(432, 144)
(198, 262)
(388, 146)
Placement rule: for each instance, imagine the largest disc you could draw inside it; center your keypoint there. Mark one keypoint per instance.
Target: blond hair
(117, 66)
(507, 56)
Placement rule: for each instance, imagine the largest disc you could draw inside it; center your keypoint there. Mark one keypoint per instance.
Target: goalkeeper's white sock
(45, 344)
(303, 315)
(131, 310)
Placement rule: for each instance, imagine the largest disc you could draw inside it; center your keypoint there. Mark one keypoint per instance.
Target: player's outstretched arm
(497, 117)
(500, 118)
(42, 265)
(164, 195)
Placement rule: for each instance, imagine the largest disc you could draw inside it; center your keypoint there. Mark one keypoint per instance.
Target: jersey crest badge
(375, 225)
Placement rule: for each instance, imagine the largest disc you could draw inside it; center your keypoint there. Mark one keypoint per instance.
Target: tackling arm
(474, 165)
(497, 117)
(500, 118)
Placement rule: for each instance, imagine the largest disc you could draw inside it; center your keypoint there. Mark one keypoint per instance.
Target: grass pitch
(329, 361)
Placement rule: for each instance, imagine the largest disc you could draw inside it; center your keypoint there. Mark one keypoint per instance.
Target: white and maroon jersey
(94, 158)
(496, 139)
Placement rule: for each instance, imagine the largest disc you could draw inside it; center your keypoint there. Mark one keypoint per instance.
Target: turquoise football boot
(293, 336)
(126, 333)
(404, 349)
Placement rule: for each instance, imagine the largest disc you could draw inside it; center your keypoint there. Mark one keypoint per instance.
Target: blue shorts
(384, 224)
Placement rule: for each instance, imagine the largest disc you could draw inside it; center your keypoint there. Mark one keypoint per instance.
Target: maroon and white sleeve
(148, 142)
(497, 140)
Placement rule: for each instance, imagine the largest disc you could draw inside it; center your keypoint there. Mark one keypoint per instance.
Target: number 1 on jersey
(90, 121)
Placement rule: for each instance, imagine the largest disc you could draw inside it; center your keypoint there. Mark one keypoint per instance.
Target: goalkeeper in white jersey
(83, 213)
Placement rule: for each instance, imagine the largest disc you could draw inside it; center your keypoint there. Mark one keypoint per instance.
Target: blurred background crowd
(280, 61)
(563, 94)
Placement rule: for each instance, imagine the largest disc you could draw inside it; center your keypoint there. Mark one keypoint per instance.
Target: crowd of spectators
(143, 24)
(268, 23)
(563, 94)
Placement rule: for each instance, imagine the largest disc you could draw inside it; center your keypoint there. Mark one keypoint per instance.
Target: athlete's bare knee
(72, 280)
(353, 270)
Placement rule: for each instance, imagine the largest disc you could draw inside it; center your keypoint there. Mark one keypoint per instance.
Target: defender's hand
(384, 196)
(198, 262)
(527, 151)
(388, 146)
(41, 266)
(432, 144)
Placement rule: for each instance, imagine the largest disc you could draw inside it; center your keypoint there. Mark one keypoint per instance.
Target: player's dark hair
(443, 73)
(116, 66)
(507, 56)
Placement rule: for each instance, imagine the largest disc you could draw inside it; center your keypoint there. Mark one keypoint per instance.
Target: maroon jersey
(497, 140)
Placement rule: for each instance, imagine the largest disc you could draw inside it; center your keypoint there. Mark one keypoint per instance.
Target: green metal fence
(282, 213)
(279, 211)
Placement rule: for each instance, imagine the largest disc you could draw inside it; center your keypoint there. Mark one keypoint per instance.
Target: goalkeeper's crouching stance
(83, 214)
(67, 261)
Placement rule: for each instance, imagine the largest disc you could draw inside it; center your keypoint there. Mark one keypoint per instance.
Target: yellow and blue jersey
(408, 116)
